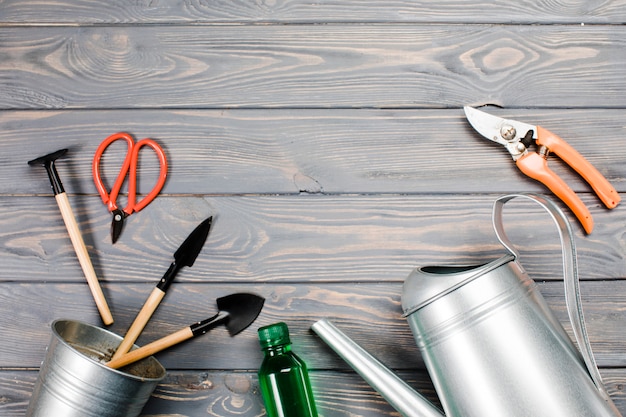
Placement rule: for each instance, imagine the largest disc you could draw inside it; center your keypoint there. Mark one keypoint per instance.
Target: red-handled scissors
(130, 163)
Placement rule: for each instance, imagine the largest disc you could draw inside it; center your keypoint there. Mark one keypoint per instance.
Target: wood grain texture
(211, 393)
(370, 313)
(287, 151)
(327, 138)
(312, 66)
(298, 238)
(299, 11)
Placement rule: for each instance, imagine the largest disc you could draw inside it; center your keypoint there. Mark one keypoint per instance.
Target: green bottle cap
(274, 335)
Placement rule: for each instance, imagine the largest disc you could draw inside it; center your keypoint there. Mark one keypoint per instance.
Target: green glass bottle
(283, 376)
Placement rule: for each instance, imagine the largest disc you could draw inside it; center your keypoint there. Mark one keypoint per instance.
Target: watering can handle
(570, 275)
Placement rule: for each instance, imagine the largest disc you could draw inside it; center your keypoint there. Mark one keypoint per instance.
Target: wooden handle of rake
(83, 257)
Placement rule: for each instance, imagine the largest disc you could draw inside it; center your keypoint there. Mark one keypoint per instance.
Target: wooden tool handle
(142, 318)
(151, 348)
(83, 257)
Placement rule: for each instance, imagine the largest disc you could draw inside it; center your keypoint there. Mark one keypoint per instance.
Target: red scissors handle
(133, 204)
(130, 163)
(110, 199)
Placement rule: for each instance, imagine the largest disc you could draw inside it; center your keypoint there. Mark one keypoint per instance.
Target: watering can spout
(400, 396)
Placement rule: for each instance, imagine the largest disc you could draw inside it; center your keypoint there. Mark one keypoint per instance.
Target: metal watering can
(489, 341)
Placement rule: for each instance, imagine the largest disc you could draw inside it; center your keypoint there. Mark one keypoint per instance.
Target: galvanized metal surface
(75, 382)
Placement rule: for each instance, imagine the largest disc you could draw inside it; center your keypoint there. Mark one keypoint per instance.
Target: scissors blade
(497, 129)
(117, 224)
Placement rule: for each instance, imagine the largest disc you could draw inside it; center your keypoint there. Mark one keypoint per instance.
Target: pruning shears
(517, 137)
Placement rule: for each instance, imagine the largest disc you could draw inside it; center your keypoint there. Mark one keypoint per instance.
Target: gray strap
(570, 275)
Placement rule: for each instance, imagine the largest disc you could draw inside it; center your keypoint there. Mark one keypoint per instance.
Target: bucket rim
(62, 340)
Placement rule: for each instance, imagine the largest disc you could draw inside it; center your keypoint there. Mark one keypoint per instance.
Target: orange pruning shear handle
(536, 167)
(516, 137)
(602, 187)
(130, 164)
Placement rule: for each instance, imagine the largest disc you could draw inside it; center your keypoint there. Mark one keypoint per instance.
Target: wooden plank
(324, 138)
(299, 11)
(236, 394)
(312, 66)
(370, 313)
(202, 393)
(297, 238)
(187, 393)
(199, 393)
(312, 151)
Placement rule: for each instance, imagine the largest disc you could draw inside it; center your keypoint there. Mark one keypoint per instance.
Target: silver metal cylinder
(398, 393)
(74, 381)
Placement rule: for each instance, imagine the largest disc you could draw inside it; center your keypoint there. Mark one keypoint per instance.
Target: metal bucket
(74, 381)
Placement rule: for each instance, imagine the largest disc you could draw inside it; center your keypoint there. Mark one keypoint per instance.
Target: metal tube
(399, 394)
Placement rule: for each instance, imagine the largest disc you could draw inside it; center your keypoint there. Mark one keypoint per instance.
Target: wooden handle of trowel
(83, 257)
(151, 348)
(142, 318)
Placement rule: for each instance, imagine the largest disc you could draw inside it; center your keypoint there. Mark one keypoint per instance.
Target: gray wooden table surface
(328, 141)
